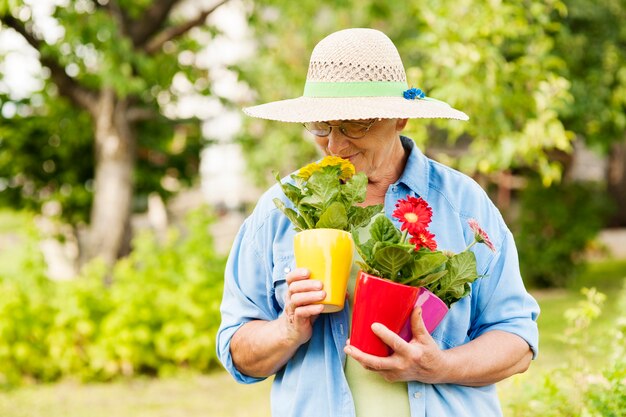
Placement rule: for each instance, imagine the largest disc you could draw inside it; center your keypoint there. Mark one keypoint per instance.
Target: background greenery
(135, 336)
(155, 312)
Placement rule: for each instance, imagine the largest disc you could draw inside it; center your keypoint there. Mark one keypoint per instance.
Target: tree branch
(151, 21)
(67, 86)
(119, 15)
(170, 33)
(138, 114)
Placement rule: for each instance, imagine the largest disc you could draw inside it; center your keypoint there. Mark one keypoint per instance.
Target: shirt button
(417, 395)
(287, 270)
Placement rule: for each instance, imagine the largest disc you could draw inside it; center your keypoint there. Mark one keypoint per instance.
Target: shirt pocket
(454, 328)
(282, 266)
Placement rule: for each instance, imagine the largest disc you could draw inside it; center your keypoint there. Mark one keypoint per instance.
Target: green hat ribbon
(355, 89)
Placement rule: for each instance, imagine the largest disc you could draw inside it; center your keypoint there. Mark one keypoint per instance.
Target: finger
(306, 298)
(418, 328)
(308, 311)
(369, 362)
(395, 342)
(297, 275)
(305, 285)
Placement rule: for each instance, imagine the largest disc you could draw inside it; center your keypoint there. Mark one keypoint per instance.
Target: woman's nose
(337, 142)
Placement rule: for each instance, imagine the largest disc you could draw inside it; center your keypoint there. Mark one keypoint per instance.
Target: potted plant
(325, 197)
(402, 269)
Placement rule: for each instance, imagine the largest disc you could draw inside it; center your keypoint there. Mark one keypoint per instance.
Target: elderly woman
(356, 103)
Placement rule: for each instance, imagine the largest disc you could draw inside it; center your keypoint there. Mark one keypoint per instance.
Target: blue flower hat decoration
(413, 93)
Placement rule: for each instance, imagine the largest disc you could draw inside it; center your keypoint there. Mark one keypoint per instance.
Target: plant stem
(470, 245)
(307, 220)
(404, 235)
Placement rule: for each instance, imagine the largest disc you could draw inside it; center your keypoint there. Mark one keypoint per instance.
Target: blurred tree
(494, 60)
(97, 129)
(593, 46)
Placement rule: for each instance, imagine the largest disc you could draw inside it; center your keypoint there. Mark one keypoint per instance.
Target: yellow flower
(308, 170)
(347, 169)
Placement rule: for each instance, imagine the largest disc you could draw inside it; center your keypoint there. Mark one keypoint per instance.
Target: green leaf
(361, 216)
(308, 215)
(368, 269)
(324, 188)
(383, 230)
(354, 189)
(391, 259)
(334, 217)
(363, 249)
(297, 221)
(427, 262)
(427, 280)
(461, 272)
(293, 193)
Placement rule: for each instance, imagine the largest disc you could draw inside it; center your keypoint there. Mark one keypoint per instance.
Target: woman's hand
(417, 360)
(260, 348)
(490, 358)
(300, 311)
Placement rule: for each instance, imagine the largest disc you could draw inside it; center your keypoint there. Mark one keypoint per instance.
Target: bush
(580, 388)
(607, 397)
(160, 312)
(554, 228)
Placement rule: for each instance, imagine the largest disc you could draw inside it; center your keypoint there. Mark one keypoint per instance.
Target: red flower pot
(378, 300)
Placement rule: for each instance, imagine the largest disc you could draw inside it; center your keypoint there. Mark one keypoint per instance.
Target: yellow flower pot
(327, 253)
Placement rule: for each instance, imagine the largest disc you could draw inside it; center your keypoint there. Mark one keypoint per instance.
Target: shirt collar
(416, 172)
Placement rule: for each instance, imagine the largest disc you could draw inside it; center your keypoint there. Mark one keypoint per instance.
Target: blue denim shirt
(313, 383)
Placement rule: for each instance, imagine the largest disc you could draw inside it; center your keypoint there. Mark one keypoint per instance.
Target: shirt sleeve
(247, 296)
(502, 302)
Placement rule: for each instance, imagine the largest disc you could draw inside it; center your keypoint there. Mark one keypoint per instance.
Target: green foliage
(608, 399)
(608, 396)
(325, 195)
(47, 149)
(591, 43)
(39, 163)
(494, 60)
(160, 312)
(578, 388)
(456, 283)
(555, 226)
(387, 254)
(38, 160)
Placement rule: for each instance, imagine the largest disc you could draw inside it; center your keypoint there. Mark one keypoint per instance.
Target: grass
(608, 277)
(191, 395)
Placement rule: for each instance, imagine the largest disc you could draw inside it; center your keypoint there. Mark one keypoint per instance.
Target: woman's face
(370, 154)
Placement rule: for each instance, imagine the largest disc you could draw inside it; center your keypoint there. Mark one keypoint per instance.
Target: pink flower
(480, 235)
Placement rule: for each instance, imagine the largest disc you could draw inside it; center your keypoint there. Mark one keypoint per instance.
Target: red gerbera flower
(424, 239)
(480, 235)
(414, 214)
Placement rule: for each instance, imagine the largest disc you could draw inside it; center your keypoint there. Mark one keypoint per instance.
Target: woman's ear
(401, 124)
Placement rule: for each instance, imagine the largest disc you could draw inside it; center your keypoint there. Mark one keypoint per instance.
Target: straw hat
(355, 74)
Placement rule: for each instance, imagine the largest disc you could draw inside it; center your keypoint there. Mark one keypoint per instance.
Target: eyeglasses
(350, 128)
